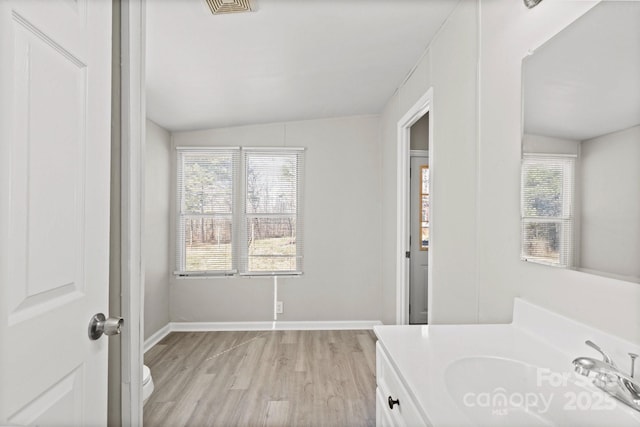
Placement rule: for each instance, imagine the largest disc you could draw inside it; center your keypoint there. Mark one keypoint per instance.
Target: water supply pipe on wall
(275, 298)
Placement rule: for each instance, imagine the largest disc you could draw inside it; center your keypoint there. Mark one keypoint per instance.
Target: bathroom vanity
(518, 374)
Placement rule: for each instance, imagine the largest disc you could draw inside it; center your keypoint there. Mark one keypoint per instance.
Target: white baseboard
(275, 325)
(332, 325)
(157, 337)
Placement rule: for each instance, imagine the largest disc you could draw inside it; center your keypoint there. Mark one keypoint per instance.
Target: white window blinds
(272, 207)
(239, 213)
(206, 191)
(547, 199)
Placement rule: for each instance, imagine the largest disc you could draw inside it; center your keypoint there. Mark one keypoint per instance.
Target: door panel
(47, 201)
(419, 259)
(54, 209)
(61, 404)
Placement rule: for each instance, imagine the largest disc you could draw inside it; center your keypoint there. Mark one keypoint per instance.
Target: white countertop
(422, 354)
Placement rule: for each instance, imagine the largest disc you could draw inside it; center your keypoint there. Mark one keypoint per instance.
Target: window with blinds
(207, 187)
(272, 211)
(547, 199)
(239, 211)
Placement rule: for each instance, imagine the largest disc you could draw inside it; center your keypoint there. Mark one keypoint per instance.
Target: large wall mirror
(580, 182)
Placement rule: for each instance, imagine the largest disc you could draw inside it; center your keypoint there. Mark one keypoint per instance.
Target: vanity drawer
(389, 385)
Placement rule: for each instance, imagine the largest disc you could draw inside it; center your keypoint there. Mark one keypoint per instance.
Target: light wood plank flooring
(257, 378)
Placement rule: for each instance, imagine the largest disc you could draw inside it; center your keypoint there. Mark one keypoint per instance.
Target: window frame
(298, 215)
(239, 215)
(566, 220)
(424, 211)
(180, 247)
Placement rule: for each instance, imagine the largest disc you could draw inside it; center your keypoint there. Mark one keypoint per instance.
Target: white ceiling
(288, 60)
(585, 82)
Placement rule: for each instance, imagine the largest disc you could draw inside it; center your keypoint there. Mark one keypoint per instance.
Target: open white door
(55, 89)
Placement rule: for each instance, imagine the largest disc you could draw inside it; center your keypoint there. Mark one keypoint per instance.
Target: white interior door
(55, 83)
(419, 257)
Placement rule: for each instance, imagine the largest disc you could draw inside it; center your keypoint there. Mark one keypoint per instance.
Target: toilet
(147, 383)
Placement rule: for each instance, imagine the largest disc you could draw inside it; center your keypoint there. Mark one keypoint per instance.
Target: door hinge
(407, 254)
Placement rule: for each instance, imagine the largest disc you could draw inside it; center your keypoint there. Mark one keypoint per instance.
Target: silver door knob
(99, 325)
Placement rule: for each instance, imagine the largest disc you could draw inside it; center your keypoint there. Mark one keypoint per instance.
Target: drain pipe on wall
(275, 299)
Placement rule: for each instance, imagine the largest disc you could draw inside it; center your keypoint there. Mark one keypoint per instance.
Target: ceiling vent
(219, 7)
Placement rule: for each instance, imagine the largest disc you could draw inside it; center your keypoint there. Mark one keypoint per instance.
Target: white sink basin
(493, 391)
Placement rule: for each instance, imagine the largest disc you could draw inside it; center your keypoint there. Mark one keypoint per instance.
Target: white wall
(549, 145)
(419, 134)
(610, 222)
(509, 30)
(342, 207)
(449, 66)
(156, 234)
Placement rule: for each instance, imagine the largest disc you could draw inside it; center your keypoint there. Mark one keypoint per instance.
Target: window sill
(191, 276)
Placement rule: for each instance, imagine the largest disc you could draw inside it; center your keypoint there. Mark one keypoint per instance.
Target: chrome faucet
(609, 378)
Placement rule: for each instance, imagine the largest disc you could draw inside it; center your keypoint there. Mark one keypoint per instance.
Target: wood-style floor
(273, 378)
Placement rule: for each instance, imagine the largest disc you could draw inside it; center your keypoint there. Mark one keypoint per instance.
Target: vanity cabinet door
(383, 416)
(394, 403)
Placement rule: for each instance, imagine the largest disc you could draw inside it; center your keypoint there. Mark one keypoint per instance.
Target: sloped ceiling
(288, 60)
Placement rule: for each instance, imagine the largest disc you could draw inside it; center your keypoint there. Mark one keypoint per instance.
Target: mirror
(580, 181)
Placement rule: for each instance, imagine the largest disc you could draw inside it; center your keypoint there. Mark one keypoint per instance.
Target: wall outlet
(279, 307)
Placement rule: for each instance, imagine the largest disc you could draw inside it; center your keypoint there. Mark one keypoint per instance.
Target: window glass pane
(258, 264)
(425, 179)
(208, 183)
(424, 237)
(271, 244)
(424, 208)
(542, 189)
(542, 241)
(207, 243)
(271, 183)
(424, 217)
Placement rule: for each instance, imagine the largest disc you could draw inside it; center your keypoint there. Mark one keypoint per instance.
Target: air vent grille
(219, 7)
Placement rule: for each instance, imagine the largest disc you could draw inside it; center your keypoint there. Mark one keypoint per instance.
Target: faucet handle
(605, 356)
(633, 364)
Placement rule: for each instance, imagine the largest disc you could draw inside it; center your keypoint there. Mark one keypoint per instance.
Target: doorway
(419, 220)
(414, 232)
